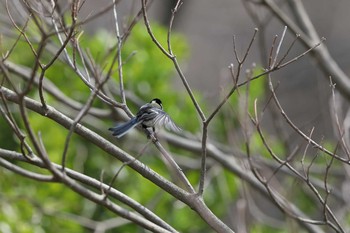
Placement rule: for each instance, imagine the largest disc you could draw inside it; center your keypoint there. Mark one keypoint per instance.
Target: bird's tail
(122, 129)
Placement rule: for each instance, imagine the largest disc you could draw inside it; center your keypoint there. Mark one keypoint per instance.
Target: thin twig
(173, 164)
(239, 67)
(340, 129)
(279, 47)
(124, 165)
(119, 53)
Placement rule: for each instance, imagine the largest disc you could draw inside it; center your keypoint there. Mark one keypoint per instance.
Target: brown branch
(150, 220)
(192, 200)
(309, 37)
(173, 165)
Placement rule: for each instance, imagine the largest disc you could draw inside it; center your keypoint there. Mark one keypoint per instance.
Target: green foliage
(255, 90)
(27, 206)
(222, 192)
(149, 74)
(257, 146)
(6, 139)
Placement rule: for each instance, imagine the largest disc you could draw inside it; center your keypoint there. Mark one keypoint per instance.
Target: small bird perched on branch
(149, 115)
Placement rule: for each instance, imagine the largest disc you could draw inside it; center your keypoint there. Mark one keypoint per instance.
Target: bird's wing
(147, 113)
(163, 119)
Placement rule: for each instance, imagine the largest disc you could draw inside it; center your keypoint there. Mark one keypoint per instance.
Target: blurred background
(203, 35)
(209, 27)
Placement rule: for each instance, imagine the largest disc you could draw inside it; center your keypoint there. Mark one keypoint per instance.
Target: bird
(149, 115)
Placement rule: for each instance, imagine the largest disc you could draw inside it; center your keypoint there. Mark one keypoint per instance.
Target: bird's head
(157, 103)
